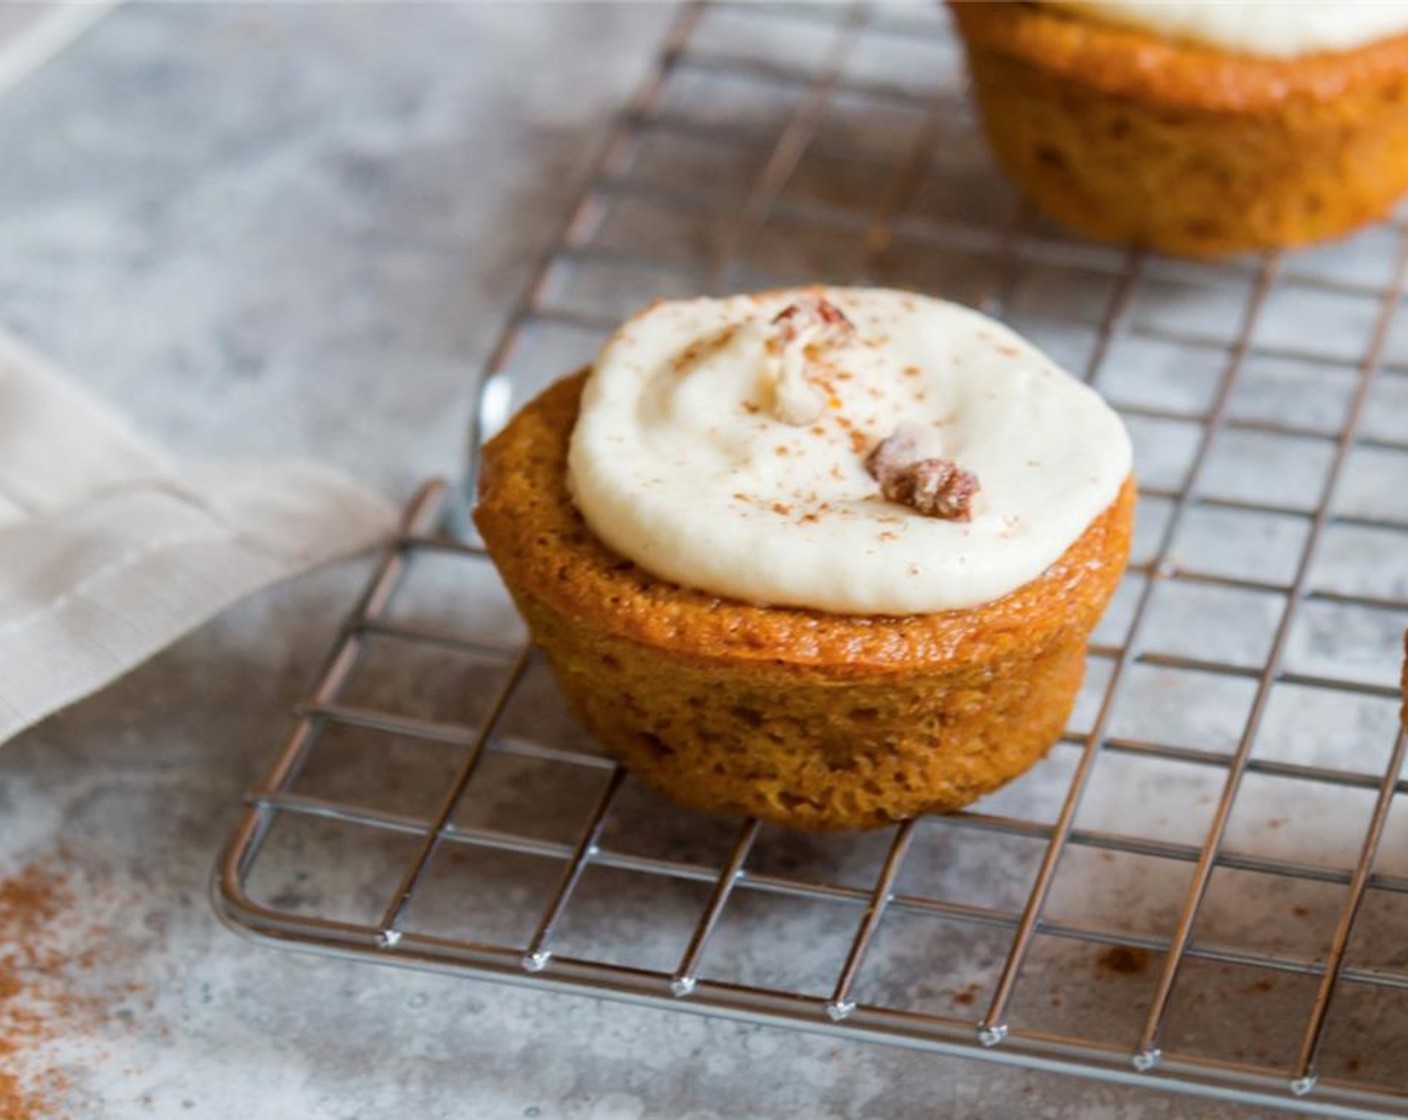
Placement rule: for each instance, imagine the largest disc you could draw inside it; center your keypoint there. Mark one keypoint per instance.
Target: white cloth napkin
(109, 551)
(33, 32)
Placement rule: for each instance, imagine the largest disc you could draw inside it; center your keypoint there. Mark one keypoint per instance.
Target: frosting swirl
(1255, 26)
(730, 446)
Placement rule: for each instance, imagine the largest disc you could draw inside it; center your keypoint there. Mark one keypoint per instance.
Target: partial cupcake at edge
(828, 557)
(1198, 129)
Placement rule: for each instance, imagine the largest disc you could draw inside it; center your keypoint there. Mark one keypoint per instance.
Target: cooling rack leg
(841, 1005)
(395, 909)
(1304, 1079)
(686, 975)
(535, 958)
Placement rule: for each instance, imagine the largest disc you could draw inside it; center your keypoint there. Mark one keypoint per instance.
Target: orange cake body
(811, 719)
(1128, 135)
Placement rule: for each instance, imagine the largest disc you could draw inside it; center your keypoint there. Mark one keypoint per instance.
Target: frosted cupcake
(829, 557)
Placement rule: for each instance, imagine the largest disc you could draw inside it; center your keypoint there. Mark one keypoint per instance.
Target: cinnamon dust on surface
(47, 939)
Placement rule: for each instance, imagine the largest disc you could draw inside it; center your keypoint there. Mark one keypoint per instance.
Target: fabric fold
(110, 550)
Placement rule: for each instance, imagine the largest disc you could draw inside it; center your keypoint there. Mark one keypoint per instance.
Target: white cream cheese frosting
(700, 456)
(1258, 27)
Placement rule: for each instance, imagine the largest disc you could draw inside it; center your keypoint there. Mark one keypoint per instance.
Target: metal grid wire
(800, 144)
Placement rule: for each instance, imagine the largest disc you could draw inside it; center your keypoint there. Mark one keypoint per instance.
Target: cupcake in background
(1194, 128)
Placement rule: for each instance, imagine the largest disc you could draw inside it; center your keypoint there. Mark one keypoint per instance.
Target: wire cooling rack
(1204, 888)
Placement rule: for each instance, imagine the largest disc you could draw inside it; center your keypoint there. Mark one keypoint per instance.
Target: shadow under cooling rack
(1203, 888)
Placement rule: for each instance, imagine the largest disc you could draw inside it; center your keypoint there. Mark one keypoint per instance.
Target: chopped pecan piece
(814, 320)
(930, 486)
(809, 322)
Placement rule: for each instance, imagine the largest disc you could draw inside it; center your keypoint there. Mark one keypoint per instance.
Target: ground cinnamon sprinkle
(43, 944)
(29, 902)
